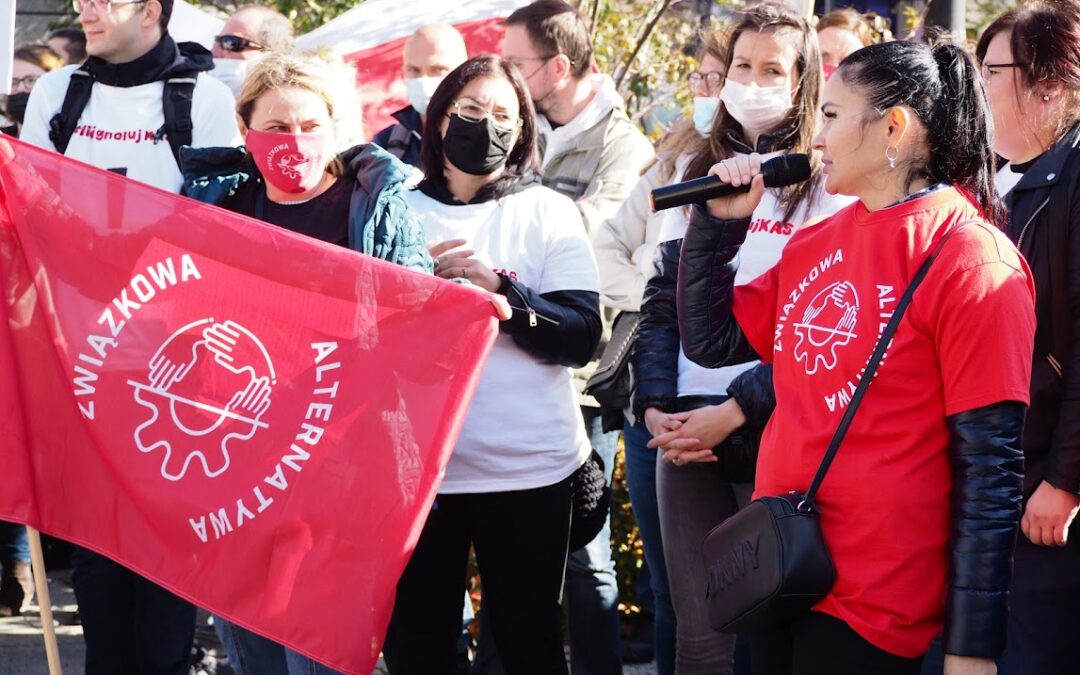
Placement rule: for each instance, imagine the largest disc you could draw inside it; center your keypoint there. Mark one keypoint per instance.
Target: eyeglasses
(988, 68)
(713, 80)
(473, 113)
(26, 83)
(519, 63)
(235, 43)
(103, 6)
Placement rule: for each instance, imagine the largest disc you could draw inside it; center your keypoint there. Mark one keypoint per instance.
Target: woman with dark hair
(768, 103)
(1031, 62)
(921, 506)
(506, 491)
(29, 62)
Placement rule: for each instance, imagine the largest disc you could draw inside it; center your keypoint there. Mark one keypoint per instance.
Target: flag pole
(41, 584)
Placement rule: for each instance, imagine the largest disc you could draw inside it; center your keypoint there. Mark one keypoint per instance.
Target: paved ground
(22, 649)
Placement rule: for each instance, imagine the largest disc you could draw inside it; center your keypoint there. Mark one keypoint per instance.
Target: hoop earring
(892, 157)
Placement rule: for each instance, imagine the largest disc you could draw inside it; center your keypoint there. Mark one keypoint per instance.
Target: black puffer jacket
(1044, 223)
(655, 362)
(987, 464)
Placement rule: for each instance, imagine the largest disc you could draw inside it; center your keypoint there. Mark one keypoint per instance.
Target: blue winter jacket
(380, 224)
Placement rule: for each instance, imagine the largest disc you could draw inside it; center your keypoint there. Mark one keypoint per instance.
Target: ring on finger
(464, 272)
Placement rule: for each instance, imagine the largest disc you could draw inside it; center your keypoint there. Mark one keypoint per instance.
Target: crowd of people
(750, 320)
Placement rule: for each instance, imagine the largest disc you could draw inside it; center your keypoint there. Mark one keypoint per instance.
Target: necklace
(297, 202)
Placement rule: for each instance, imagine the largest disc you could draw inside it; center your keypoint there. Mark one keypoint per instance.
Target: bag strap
(176, 109)
(62, 125)
(807, 503)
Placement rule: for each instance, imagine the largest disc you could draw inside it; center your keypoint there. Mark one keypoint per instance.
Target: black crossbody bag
(769, 563)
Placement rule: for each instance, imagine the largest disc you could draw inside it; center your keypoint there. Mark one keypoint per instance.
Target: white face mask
(705, 112)
(232, 72)
(756, 108)
(419, 91)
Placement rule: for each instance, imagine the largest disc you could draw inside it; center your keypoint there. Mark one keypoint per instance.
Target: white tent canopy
(377, 22)
(190, 24)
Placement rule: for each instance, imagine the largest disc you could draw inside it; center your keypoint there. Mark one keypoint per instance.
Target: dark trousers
(520, 539)
(819, 644)
(131, 626)
(1044, 610)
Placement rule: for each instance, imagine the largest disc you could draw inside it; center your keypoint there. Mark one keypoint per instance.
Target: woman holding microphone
(920, 508)
(768, 104)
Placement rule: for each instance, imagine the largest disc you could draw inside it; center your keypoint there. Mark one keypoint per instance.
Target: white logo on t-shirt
(826, 326)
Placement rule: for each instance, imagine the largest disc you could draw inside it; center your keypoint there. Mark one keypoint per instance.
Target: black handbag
(769, 563)
(590, 501)
(610, 382)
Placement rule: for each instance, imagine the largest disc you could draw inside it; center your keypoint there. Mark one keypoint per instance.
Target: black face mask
(16, 106)
(477, 148)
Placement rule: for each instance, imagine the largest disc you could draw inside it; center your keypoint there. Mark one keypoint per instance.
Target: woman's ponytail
(961, 128)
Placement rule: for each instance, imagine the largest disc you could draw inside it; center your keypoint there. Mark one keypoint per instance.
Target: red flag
(251, 418)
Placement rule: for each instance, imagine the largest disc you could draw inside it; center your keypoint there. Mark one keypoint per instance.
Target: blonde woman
(354, 198)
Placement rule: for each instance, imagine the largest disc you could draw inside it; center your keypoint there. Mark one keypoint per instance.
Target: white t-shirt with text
(524, 429)
(117, 127)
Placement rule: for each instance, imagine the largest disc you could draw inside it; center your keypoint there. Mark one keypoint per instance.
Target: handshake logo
(207, 389)
(827, 325)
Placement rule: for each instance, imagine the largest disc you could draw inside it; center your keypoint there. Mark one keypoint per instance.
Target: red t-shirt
(965, 342)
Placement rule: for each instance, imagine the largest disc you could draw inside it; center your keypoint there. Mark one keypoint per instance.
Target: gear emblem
(207, 388)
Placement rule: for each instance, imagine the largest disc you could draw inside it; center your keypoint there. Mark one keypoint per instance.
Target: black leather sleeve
(656, 348)
(988, 476)
(562, 326)
(710, 335)
(753, 391)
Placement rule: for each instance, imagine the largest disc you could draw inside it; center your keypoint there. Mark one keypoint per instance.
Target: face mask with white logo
(232, 72)
(704, 113)
(754, 107)
(419, 91)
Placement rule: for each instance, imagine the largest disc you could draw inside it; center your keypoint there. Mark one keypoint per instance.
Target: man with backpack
(129, 108)
(137, 98)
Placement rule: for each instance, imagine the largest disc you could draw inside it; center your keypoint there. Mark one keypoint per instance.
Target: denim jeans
(14, 545)
(592, 591)
(252, 654)
(1043, 619)
(130, 624)
(641, 481)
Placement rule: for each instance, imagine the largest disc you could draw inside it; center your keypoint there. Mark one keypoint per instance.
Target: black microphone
(778, 172)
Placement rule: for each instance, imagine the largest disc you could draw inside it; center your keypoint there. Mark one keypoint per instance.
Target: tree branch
(650, 24)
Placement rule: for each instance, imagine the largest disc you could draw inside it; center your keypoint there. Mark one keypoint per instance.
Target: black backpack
(176, 105)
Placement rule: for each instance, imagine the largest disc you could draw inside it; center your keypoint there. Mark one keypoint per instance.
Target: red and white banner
(253, 419)
(372, 36)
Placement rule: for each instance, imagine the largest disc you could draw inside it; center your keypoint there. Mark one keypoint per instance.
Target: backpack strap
(176, 106)
(62, 125)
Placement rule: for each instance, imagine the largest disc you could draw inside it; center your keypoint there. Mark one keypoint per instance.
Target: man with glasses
(430, 53)
(253, 30)
(138, 97)
(594, 154)
(113, 112)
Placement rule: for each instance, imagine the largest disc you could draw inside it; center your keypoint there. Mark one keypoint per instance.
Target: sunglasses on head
(235, 43)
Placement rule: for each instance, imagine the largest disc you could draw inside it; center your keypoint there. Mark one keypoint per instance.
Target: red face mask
(292, 163)
(829, 70)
